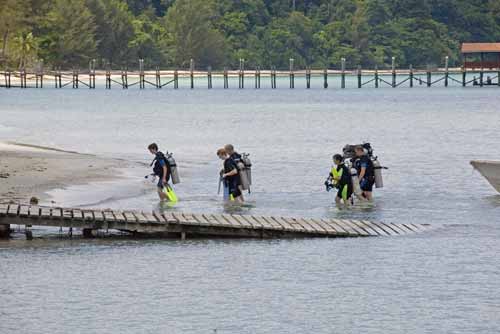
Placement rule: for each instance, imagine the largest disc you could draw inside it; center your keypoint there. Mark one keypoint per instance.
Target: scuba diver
(340, 178)
(366, 172)
(162, 169)
(244, 166)
(230, 177)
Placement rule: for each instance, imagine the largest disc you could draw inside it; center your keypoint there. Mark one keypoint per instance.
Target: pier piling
(325, 78)
(191, 72)
(308, 77)
(359, 77)
(226, 79)
(292, 75)
(429, 76)
(446, 72)
(342, 81)
(209, 77)
(241, 74)
(257, 78)
(376, 76)
(393, 68)
(411, 76)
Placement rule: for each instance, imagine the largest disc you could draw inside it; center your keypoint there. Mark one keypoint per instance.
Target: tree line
(217, 33)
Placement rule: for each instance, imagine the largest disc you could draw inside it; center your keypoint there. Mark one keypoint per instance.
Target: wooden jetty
(184, 224)
(344, 77)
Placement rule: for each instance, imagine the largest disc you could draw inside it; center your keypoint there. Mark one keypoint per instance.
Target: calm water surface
(445, 281)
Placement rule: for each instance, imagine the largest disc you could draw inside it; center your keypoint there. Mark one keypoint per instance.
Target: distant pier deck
(183, 225)
(257, 78)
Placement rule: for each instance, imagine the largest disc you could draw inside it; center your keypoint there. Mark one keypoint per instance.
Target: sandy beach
(30, 171)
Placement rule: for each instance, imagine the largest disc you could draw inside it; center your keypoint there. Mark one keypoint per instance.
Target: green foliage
(266, 33)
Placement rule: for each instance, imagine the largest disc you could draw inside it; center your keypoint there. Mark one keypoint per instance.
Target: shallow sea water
(444, 281)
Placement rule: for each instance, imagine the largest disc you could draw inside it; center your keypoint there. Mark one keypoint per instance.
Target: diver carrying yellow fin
(170, 193)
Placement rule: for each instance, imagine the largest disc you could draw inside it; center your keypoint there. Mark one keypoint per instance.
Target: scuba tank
(377, 170)
(245, 184)
(174, 173)
(355, 182)
(248, 166)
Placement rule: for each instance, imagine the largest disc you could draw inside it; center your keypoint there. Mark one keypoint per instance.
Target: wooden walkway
(183, 224)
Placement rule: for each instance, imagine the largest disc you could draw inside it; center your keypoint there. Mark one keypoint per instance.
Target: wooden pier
(182, 225)
(244, 78)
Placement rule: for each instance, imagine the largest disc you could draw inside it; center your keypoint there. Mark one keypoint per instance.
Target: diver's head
(222, 154)
(359, 150)
(153, 148)
(338, 159)
(229, 149)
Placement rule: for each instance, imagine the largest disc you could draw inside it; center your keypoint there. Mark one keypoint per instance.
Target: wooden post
(292, 75)
(325, 78)
(464, 76)
(108, 76)
(241, 74)
(376, 76)
(92, 74)
(75, 78)
(176, 79)
(226, 79)
(429, 76)
(125, 78)
(273, 77)
(183, 235)
(22, 74)
(28, 233)
(141, 74)
(209, 77)
(411, 76)
(158, 77)
(191, 72)
(393, 67)
(342, 81)
(60, 77)
(308, 77)
(359, 77)
(7, 78)
(55, 78)
(446, 71)
(481, 73)
(4, 231)
(257, 78)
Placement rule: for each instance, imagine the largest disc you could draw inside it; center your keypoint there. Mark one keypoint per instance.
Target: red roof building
(481, 55)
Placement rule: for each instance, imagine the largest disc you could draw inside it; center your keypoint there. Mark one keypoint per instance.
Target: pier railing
(249, 78)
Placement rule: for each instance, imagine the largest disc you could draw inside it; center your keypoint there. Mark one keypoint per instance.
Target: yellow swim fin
(172, 197)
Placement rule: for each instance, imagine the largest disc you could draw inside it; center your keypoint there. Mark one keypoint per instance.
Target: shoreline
(28, 171)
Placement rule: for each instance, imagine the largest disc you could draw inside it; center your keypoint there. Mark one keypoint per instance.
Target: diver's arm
(164, 177)
(362, 173)
(231, 173)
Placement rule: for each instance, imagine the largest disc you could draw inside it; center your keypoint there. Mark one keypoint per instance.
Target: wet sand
(30, 171)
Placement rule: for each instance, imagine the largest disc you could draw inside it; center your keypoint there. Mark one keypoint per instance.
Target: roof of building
(480, 47)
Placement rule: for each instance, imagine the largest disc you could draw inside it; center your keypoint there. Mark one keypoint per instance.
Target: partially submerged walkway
(185, 224)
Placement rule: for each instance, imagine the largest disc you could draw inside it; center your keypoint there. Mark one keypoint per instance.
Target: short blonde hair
(221, 151)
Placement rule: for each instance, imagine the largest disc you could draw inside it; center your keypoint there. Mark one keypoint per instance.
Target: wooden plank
(211, 221)
(108, 216)
(295, 226)
(265, 224)
(219, 221)
(13, 210)
(170, 218)
(34, 211)
(330, 230)
(398, 228)
(243, 221)
(141, 218)
(231, 220)
(45, 212)
(3, 209)
(407, 228)
(67, 214)
(349, 227)
(253, 220)
(201, 220)
(24, 210)
(77, 214)
(56, 213)
(373, 227)
(98, 215)
(154, 217)
(275, 225)
(385, 228)
(361, 230)
(339, 228)
(317, 228)
(129, 217)
(286, 226)
(178, 217)
(190, 219)
(88, 215)
(119, 217)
